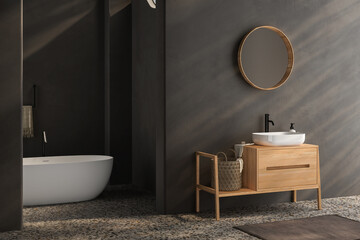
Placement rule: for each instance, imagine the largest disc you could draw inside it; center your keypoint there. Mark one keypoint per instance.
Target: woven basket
(229, 172)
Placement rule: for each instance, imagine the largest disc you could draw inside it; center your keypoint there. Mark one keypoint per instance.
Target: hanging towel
(27, 122)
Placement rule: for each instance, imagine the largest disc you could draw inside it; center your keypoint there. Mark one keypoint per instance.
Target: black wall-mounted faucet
(267, 121)
(44, 141)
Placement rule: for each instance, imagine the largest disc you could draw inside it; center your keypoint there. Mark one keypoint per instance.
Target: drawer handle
(288, 167)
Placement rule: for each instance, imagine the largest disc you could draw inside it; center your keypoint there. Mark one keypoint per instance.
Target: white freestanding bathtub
(63, 179)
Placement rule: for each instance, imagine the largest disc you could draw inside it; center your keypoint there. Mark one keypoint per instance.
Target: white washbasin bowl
(278, 138)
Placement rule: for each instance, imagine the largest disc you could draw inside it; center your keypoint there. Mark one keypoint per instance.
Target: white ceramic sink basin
(278, 138)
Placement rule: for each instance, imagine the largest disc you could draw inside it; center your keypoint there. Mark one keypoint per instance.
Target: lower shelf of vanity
(268, 170)
(247, 191)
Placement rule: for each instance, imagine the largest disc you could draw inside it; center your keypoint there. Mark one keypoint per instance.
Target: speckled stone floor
(130, 214)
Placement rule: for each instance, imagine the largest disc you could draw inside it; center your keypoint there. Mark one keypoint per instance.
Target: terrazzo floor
(126, 213)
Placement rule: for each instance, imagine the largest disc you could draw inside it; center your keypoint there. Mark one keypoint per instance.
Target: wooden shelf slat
(247, 191)
(204, 154)
(240, 192)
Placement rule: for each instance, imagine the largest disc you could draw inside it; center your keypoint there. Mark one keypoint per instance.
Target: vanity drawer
(287, 168)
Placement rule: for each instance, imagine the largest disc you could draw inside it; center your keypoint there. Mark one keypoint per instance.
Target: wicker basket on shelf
(229, 171)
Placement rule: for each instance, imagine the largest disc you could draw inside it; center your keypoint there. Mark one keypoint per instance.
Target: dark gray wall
(84, 93)
(160, 108)
(209, 106)
(64, 57)
(120, 90)
(146, 94)
(10, 112)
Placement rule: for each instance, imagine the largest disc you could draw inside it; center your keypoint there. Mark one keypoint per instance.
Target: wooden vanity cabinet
(269, 169)
(274, 168)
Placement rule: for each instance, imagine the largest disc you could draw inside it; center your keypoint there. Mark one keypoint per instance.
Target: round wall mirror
(265, 58)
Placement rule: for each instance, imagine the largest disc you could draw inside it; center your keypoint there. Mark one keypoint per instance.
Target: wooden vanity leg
(294, 196)
(197, 200)
(318, 180)
(319, 198)
(217, 207)
(216, 180)
(197, 183)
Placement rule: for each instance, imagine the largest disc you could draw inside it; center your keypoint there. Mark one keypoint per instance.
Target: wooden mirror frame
(290, 54)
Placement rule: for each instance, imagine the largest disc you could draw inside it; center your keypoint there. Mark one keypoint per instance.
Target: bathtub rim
(75, 159)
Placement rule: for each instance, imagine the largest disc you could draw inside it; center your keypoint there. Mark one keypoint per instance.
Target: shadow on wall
(117, 6)
(48, 25)
(63, 56)
(210, 107)
(120, 90)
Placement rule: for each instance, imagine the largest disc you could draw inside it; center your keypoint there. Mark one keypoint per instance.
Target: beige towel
(27, 122)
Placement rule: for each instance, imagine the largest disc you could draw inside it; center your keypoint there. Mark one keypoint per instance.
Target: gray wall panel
(10, 115)
(210, 107)
(146, 95)
(63, 56)
(148, 98)
(120, 91)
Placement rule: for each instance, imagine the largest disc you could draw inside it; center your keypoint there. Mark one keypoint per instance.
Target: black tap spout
(44, 141)
(267, 121)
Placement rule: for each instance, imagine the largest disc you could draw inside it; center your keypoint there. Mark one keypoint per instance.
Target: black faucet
(44, 141)
(267, 121)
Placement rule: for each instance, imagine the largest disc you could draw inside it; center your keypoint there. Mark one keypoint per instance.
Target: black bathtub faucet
(44, 141)
(267, 121)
